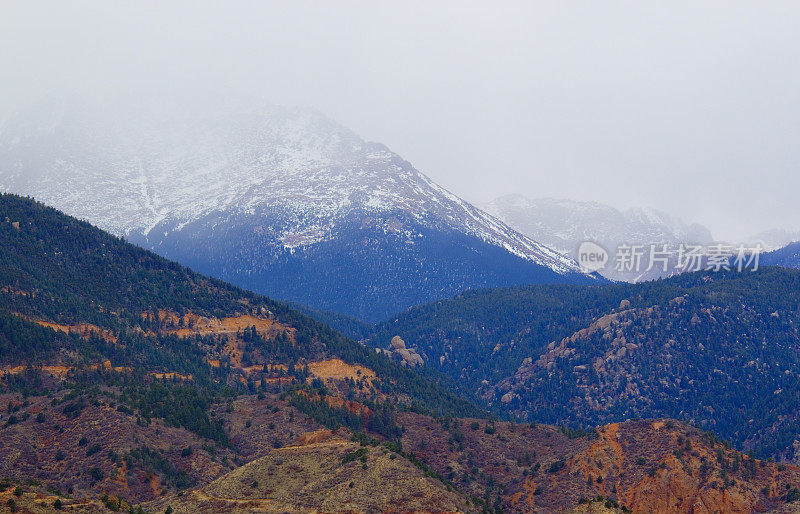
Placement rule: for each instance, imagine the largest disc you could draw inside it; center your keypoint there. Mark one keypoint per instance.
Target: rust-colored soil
(337, 369)
(84, 330)
(192, 324)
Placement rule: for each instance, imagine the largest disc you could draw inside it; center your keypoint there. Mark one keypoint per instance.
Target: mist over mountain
(384, 257)
(283, 201)
(565, 224)
(775, 239)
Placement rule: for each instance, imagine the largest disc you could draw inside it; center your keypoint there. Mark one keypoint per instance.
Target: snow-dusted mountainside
(565, 224)
(277, 200)
(774, 239)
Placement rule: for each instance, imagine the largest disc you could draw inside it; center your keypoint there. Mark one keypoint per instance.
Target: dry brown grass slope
(324, 472)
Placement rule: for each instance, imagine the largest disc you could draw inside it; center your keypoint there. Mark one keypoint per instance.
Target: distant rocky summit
(565, 224)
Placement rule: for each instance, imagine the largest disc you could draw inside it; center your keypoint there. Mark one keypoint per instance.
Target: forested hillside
(786, 257)
(716, 349)
(55, 270)
(129, 383)
(91, 324)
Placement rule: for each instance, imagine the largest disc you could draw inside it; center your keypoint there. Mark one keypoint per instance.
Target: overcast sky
(692, 107)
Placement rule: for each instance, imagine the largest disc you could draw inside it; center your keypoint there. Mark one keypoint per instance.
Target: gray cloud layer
(691, 107)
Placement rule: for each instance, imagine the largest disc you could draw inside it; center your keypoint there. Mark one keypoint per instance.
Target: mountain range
(718, 350)
(486, 371)
(565, 224)
(281, 201)
(131, 383)
(775, 239)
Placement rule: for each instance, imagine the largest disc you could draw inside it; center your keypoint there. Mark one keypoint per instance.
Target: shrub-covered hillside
(717, 349)
(73, 295)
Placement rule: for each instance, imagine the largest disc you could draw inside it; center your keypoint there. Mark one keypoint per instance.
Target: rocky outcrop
(407, 356)
(654, 465)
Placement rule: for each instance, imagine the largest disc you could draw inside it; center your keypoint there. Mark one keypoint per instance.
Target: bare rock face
(407, 356)
(410, 358)
(508, 397)
(796, 446)
(397, 343)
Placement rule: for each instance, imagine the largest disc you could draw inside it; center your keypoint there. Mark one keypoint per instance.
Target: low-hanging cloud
(691, 107)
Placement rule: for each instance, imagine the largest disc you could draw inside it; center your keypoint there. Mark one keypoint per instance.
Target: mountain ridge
(716, 349)
(565, 224)
(173, 176)
(132, 383)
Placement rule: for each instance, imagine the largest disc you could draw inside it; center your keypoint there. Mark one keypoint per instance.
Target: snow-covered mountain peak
(565, 224)
(160, 164)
